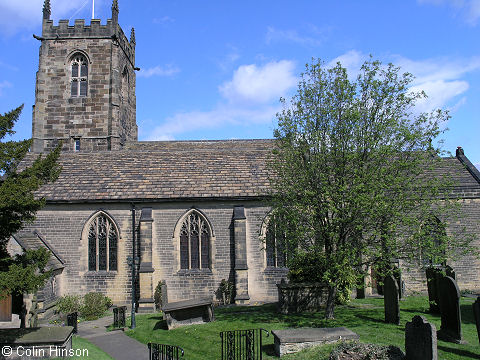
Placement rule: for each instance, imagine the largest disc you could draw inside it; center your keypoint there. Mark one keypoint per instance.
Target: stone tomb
(390, 300)
(420, 339)
(294, 340)
(449, 301)
(188, 312)
(38, 343)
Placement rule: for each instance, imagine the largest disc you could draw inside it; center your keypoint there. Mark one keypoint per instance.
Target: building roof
(33, 241)
(163, 170)
(188, 170)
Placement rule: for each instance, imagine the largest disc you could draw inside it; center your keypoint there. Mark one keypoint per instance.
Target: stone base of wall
(294, 298)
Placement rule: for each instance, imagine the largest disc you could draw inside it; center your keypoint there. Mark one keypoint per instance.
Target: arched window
(433, 241)
(275, 249)
(79, 75)
(195, 239)
(102, 244)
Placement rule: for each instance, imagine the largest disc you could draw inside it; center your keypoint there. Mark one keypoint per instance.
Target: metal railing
(119, 316)
(72, 321)
(164, 352)
(242, 344)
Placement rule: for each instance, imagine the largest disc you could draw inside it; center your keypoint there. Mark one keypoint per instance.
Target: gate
(242, 344)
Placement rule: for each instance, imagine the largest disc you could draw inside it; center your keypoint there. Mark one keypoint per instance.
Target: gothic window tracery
(79, 76)
(102, 244)
(276, 254)
(194, 242)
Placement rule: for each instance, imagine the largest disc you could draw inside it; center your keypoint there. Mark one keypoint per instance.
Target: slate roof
(185, 170)
(33, 241)
(163, 170)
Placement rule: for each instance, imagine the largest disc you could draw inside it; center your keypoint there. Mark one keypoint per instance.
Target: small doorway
(6, 308)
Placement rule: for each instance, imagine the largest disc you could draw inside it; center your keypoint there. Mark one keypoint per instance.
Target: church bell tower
(85, 87)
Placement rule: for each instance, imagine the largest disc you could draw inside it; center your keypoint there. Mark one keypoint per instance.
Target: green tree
(350, 175)
(18, 205)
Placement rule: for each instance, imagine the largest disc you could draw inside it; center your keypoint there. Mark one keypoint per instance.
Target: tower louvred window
(79, 76)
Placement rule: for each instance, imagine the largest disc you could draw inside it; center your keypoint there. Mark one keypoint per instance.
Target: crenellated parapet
(85, 93)
(95, 30)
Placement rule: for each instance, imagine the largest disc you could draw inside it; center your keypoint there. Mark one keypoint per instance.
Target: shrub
(360, 351)
(69, 303)
(312, 267)
(225, 291)
(94, 305)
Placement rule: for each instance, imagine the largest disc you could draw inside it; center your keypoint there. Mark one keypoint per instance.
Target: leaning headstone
(449, 298)
(390, 300)
(476, 315)
(398, 278)
(420, 339)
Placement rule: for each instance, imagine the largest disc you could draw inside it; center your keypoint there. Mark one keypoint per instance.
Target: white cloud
(274, 35)
(18, 15)
(441, 78)
(254, 84)
(469, 10)
(221, 116)
(477, 165)
(251, 97)
(439, 93)
(352, 60)
(3, 85)
(167, 70)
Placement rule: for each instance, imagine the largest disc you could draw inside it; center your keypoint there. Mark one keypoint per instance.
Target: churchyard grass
(94, 352)
(365, 317)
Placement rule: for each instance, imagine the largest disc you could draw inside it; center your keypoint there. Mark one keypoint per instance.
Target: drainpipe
(134, 265)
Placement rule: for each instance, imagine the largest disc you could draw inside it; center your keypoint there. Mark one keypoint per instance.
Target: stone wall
(63, 227)
(467, 268)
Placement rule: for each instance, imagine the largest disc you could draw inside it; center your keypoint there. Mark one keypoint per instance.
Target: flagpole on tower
(93, 9)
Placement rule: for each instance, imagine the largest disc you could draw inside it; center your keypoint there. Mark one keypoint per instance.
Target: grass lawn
(365, 317)
(94, 352)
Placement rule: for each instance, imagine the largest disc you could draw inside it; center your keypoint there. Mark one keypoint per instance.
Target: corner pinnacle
(46, 10)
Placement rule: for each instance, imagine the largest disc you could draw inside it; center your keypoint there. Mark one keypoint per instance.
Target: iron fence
(119, 316)
(242, 344)
(164, 352)
(72, 321)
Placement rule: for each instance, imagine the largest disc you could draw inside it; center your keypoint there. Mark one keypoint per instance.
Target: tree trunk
(330, 309)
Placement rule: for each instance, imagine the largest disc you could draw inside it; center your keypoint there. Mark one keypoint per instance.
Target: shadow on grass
(160, 323)
(355, 316)
(269, 349)
(417, 312)
(467, 313)
(464, 353)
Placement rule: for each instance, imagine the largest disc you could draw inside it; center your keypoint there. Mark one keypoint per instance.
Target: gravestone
(420, 339)
(390, 300)
(476, 315)
(449, 301)
(450, 272)
(433, 275)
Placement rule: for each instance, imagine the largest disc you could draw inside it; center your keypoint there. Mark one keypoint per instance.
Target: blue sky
(216, 69)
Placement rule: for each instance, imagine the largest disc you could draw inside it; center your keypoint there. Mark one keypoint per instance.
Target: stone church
(195, 209)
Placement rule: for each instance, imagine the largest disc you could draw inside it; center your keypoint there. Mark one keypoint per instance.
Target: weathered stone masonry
(223, 184)
(105, 118)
